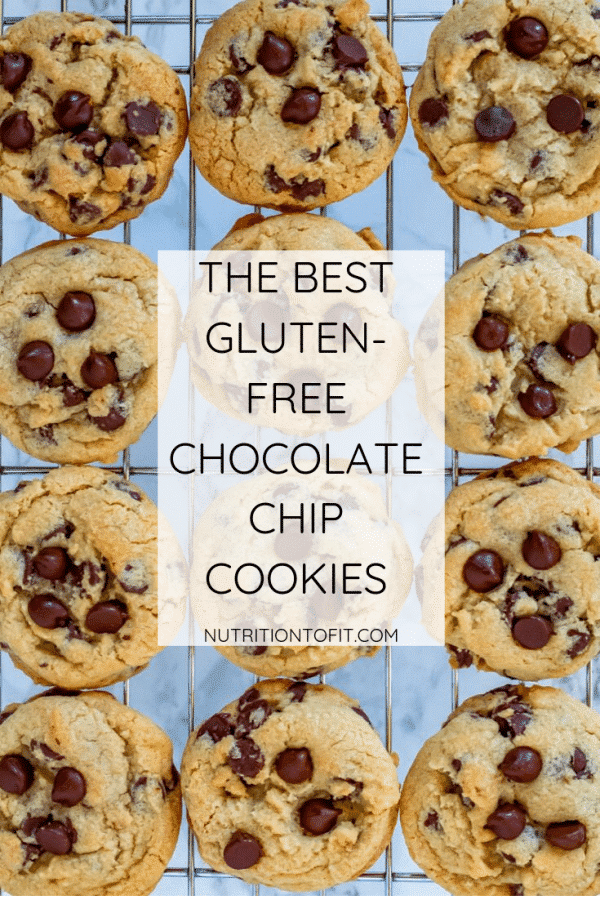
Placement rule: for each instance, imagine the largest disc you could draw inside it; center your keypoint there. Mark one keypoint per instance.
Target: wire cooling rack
(411, 690)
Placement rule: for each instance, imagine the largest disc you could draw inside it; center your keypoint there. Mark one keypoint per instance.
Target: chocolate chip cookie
(507, 109)
(295, 104)
(91, 122)
(89, 796)
(523, 571)
(290, 787)
(292, 662)
(79, 577)
(504, 799)
(79, 354)
(522, 358)
(352, 570)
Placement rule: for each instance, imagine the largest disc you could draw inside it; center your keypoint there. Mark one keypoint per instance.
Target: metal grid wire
(387, 878)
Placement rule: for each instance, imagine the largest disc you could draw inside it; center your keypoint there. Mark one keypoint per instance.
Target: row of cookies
(92, 122)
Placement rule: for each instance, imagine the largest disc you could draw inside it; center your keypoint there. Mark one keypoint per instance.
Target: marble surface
(421, 690)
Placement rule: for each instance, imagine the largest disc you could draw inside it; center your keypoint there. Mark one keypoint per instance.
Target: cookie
(523, 571)
(79, 353)
(362, 374)
(89, 796)
(353, 570)
(522, 374)
(79, 577)
(296, 231)
(507, 109)
(295, 105)
(290, 787)
(91, 122)
(504, 800)
(293, 662)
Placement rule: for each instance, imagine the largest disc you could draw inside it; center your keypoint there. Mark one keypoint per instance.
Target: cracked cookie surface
(80, 575)
(503, 801)
(89, 798)
(293, 662)
(507, 108)
(79, 352)
(291, 787)
(91, 122)
(523, 571)
(522, 353)
(295, 104)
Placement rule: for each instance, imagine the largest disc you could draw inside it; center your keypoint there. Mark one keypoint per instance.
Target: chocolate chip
(526, 37)
(463, 658)
(98, 370)
(217, 727)
(267, 319)
(275, 54)
(583, 639)
(302, 106)
(516, 890)
(16, 131)
(47, 611)
(51, 563)
(243, 851)
(478, 36)
(507, 822)
(89, 140)
(106, 617)
(119, 154)
(483, 571)
(46, 751)
(246, 758)
(566, 835)
(69, 787)
(563, 605)
(291, 544)
(540, 551)
(252, 716)
(225, 97)
(14, 69)
(515, 206)
(110, 422)
(579, 762)
(432, 111)
(82, 211)
(318, 816)
(30, 823)
(343, 314)
(537, 402)
(16, 774)
(491, 333)
(386, 117)
(521, 764)
(494, 124)
(565, 113)
(532, 632)
(256, 651)
(143, 118)
(360, 712)
(248, 697)
(294, 766)
(456, 765)
(348, 52)
(149, 183)
(126, 488)
(241, 65)
(536, 159)
(35, 360)
(73, 111)
(432, 820)
(76, 311)
(298, 689)
(54, 837)
(576, 341)
(303, 189)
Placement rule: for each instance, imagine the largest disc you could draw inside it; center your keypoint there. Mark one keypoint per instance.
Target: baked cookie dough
(507, 109)
(523, 571)
(522, 356)
(81, 578)
(504, 800)
(272, 576)
(296, 231)
(295, 105)
(91, 122)
(362, 374)
(290, 787)
(293, 662)
(79, 349)
(89, 798)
